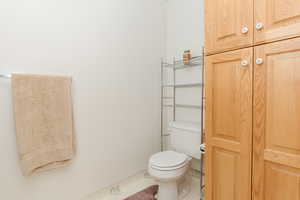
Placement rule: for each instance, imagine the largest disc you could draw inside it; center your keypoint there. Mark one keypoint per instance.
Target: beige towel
(44, 121)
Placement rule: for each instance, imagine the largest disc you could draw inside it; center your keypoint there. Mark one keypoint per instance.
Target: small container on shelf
(187, 56)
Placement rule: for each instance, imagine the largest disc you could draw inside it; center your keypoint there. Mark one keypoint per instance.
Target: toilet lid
(168, 159)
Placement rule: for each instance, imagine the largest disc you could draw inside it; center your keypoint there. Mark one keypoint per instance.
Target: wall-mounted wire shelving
(178, 65)
(197, 61)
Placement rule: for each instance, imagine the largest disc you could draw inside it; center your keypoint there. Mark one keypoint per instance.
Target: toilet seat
(168, 161)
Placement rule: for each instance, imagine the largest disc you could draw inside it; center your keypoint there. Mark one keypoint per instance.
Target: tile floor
(135, 184)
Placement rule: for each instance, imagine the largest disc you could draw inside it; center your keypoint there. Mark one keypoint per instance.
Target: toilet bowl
(167, 168)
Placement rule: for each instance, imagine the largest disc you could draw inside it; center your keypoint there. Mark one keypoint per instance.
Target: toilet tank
(186, 138)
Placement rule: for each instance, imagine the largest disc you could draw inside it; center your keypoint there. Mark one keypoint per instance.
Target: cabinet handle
(244, 63)
(245, 30)
(259, 61)
(259, 26)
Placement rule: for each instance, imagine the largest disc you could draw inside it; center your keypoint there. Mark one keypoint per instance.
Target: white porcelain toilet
(169, 166)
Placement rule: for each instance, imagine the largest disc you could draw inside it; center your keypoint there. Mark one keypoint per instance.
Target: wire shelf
(194, 62)
(188, 106)
(185, 85)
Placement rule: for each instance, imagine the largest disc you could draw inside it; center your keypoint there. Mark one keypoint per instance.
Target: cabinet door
(276, 143)
(229, 25)
(228, 123)
(276, 20)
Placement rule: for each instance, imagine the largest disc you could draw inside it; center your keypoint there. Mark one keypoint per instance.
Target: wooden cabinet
(265, 82)
(229, 25)
(276, 149)
(229, 125)
(276, 20)
(234, 24)
(252, 88)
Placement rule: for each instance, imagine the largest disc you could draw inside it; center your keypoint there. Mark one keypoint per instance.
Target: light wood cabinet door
(229, 25)
(228, 125)
(276, 141)
(276, 20)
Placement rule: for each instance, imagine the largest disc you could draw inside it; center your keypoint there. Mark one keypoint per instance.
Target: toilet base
(168, 191)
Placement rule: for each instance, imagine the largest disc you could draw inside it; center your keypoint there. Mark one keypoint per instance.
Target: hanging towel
(44, 121)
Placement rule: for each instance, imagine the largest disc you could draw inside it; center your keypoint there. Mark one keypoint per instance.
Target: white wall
(112, 48)
(184, 30)
(185, 27)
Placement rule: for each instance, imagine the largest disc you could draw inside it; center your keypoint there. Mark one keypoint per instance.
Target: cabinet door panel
(276, 144)
(228, 125)
(225, 20)
(280, 19)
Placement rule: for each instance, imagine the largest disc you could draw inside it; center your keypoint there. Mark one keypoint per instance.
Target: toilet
(169, 166)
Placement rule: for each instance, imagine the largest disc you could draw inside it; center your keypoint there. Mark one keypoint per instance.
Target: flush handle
(202, 148)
